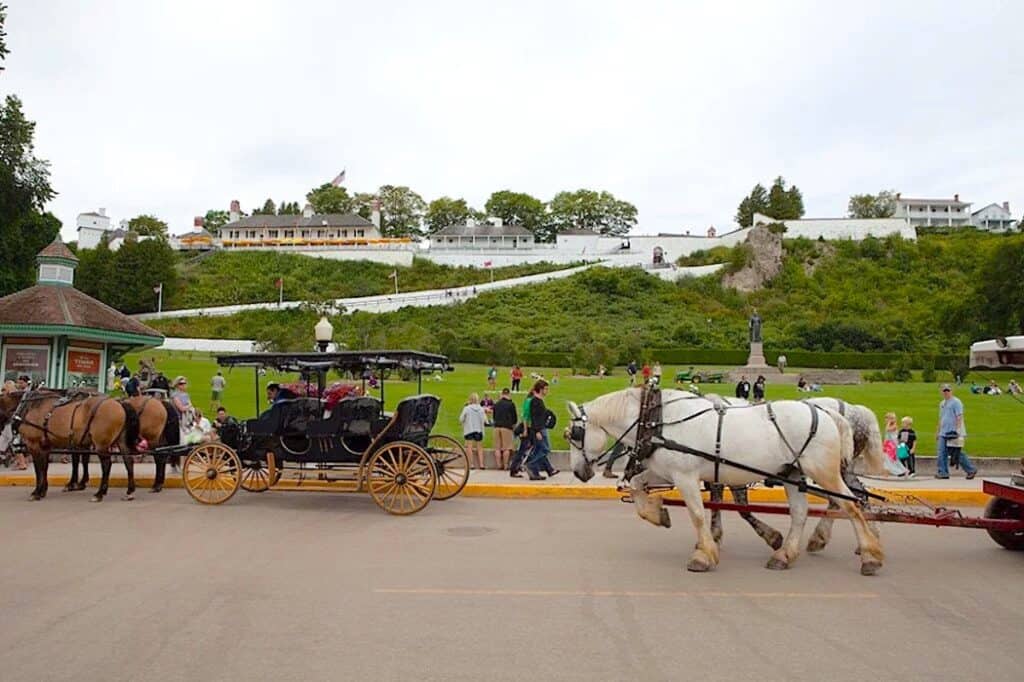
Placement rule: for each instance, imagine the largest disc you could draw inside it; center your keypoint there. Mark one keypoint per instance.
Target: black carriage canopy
(350, 361)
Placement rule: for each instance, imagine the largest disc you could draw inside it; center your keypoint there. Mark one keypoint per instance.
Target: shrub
(928, 370)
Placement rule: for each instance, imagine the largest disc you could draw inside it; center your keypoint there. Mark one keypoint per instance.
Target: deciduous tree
(881, 205)
(401, 211)
(446, 211)
(588, 209)
(148, 226)
(519, 208)
(214, 220)
(327, 199)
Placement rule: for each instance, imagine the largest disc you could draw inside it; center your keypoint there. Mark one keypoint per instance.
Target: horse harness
(649, 438)
(77, 397)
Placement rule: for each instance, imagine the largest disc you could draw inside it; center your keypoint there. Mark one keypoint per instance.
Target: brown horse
(46, 421)
(158, 425)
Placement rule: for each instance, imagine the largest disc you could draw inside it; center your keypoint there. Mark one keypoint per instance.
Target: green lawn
(993, 422)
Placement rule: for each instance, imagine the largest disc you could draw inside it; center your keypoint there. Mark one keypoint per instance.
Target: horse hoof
(96, 498)
(70, 488)
(128, 497)
(80, 486)
(155, 489)
(698, 566)
(777, 564)
(815, 544)
(34, 498)
(666, 520)
(870, 567)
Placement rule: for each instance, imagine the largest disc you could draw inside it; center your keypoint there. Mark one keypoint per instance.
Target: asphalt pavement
(313, 586)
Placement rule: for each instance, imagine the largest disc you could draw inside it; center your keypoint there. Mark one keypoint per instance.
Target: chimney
(956, 197)
(497, 222)
(236, 211)
(102, 212)
(197, 223)
(375, 213)
(1006, 206)
(307, 211)
(898, 196)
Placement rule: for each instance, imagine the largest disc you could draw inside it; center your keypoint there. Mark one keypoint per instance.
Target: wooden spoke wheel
(401, 478)
(212, 473)
(451, 463)
(1002, 508)
(256, 477)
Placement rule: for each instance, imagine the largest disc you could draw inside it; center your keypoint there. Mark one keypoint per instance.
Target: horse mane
(613, 405)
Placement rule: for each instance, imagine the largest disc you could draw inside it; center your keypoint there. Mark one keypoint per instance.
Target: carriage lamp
(323, 331)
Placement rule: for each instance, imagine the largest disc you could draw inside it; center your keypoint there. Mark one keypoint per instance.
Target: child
(889, 439)
(907, 439)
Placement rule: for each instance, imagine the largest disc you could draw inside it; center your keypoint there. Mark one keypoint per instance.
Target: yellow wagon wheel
(212, 473)
(256, 476)
(451, 463)
(401, 478)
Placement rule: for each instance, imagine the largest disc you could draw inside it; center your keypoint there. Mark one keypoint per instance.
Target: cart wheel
(452, 466)
(211, 473)
(256, 477)
(401, 478)
(1002, 508)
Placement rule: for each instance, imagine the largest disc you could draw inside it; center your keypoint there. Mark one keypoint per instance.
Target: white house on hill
(934, 212)
(92, 226)
(486, 236)
(994, 217)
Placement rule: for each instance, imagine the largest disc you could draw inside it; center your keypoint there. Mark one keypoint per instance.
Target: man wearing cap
(950, 435)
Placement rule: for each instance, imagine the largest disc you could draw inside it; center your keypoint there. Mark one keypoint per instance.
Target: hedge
(736, 358)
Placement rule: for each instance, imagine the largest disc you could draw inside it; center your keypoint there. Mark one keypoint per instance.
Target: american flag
(339, 179)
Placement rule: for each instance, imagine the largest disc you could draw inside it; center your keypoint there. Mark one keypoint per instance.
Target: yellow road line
(448, 592)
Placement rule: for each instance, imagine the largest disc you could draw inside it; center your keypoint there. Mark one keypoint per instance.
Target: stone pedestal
(756, 359)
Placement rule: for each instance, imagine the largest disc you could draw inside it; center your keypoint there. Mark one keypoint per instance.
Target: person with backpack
(522, 430)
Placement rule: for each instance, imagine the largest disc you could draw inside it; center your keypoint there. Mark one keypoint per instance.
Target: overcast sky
(173, 108)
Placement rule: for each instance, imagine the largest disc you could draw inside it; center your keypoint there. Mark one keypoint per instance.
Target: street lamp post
(323, 331)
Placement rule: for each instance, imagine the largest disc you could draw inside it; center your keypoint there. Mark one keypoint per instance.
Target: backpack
(550, 420)
(902, 451)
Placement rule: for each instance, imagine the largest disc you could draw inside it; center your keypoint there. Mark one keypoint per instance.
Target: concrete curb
(953, 497)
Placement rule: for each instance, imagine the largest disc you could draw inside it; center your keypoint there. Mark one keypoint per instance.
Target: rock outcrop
(764, 262)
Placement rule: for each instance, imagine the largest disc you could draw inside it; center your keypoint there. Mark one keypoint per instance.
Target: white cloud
(679, 107)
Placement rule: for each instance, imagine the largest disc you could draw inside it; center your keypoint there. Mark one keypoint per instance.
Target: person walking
(517, 377)
(759, 389)
(782, 364)
(950, 434)
(538, 459)
(217, 384)
(522, 429)
(492, 378)
(743, 388)
(504, 421)
(631, 371)
(473, 419)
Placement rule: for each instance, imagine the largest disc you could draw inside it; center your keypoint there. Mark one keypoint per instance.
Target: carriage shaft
(938, 518)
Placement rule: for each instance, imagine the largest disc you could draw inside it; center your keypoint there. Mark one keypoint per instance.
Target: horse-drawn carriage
(352, 446)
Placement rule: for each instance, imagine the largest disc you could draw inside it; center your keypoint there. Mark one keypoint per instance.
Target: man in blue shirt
(951, 428)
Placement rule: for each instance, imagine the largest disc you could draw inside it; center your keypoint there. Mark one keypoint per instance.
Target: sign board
(31, 360)
(84, 368)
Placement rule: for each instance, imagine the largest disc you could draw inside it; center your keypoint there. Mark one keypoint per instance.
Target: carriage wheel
(401, 478)
(451, 463)
(256, 476)
(1002, 508)
(211, 473)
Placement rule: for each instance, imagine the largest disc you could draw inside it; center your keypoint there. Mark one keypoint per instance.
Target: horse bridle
(577, 437)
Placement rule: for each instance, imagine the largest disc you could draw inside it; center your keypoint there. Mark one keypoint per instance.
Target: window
(360, 233)
(344, 233)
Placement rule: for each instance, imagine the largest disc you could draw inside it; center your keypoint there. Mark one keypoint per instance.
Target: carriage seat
(412, 420)
(354, 416)
(286, 417)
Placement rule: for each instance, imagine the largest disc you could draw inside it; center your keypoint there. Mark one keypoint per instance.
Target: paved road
(293, 586)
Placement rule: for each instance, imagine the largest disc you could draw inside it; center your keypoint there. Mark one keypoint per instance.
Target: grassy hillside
(249, 277)
(924, 296)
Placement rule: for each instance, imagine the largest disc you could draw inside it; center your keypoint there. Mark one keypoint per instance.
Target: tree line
(405, 213)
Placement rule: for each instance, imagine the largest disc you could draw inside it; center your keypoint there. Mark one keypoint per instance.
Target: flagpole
(160, 298)
(396, 282)
(280, 294)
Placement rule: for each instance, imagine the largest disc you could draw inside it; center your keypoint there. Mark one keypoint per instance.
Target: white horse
(749, 438)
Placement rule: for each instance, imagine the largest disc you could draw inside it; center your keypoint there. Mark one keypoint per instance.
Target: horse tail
(130, 434)
(873, 454)
(172, 431)
(845, 434)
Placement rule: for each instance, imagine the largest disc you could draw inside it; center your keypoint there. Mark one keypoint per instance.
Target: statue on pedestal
(754, 325)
